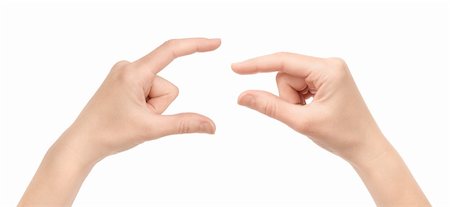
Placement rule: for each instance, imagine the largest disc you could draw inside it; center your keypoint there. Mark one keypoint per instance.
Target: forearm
(388, 179)
(60, 175)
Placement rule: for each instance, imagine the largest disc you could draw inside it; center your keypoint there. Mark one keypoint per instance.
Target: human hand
(337, 119)
(126, 110)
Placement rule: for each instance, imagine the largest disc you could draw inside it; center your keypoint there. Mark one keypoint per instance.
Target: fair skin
(337, 120)
(127, 111)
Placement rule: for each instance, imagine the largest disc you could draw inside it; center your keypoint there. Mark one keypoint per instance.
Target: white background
(54, 56)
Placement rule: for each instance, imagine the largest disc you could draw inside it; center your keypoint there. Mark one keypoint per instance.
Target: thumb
(270, 105)
(184, 123)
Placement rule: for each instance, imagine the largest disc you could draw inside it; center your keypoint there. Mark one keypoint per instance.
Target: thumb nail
(247, 100)
(207, 127)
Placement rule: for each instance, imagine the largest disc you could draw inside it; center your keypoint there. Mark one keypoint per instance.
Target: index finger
(290, 63)
(171, 49)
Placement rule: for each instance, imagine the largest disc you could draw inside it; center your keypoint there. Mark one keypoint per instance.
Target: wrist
(375, 158)
(387, 177)
(373, 146)
(74, 148)
(60, 175)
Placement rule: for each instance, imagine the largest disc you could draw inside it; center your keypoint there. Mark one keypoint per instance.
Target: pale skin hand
(337, 119)
(124, 112)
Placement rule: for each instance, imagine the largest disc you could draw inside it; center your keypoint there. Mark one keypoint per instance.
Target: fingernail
(247, 100)
(235, 66)
(216, 39)
(236, 63)
(207, 128)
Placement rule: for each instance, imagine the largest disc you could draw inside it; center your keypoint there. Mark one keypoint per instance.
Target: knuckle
(337, 63)
(270, 108)
(173, 90)
(121, 63)
(119, 66)
(338, 68)
(123, 72)
(176, 91)
(280, 77)
(282, 54)
(173, 93)
(184, 127)
(170, 43)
